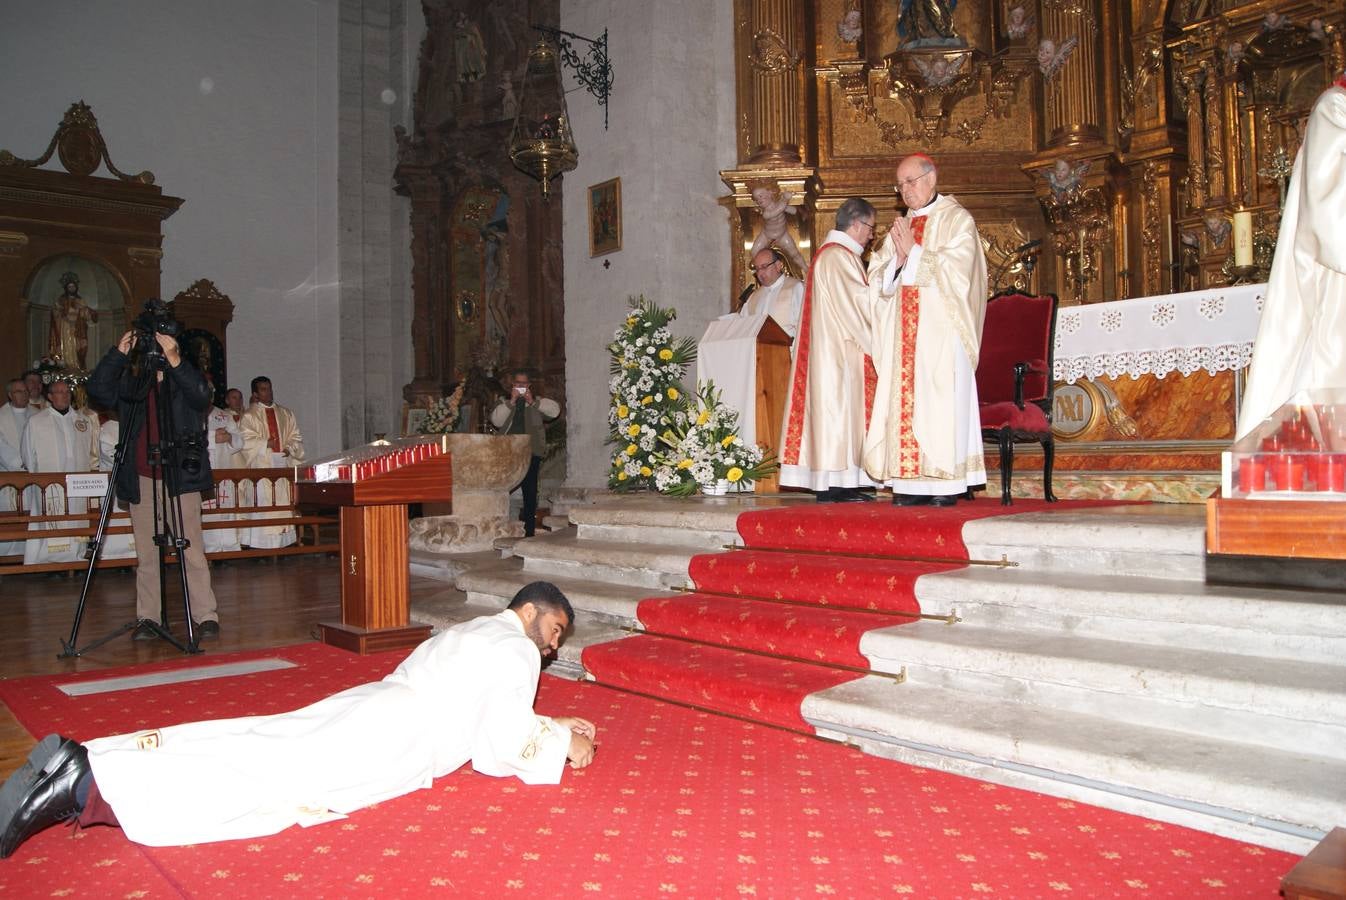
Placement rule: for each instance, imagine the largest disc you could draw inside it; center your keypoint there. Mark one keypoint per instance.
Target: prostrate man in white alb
(778, 294)
(465, 695)
(13, 419)
(271, 440)
(58, 439)
(924, 439)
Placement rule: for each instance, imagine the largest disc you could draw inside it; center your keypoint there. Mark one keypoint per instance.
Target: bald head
(916, 177)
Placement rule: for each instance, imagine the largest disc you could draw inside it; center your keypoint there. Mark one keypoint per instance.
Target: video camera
(156, 318)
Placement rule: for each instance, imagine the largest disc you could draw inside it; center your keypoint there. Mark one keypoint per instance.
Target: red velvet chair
(1014, 380)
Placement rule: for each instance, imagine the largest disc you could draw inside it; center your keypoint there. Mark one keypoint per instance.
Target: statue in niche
(1218, 227)
(68, 336)
(940, 70)
(1020, 23)
(469, 50)
(850, 28)
(775, 206)
(927, 23)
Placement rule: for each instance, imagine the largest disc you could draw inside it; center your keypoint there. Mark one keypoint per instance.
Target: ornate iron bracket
(593, 70)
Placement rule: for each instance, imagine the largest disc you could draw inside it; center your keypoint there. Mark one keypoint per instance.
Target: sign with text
(92, 484)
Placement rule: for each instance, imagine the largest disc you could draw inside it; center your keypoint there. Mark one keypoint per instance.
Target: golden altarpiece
(1103, 147)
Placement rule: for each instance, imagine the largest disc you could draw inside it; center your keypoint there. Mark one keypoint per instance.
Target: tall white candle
(1243, 237)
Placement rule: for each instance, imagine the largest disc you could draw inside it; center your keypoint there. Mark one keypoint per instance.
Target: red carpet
(839, 576)
(677, 803)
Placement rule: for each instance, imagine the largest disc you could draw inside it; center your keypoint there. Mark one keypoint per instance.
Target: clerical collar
(61, 411)
(924, 210)
(845, 240)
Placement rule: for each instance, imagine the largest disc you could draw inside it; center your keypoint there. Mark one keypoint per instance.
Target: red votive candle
(1252, 474)
(1331, 472)
(1288, 470)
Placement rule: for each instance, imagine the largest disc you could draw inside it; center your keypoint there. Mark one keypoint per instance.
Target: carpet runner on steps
(813, 581)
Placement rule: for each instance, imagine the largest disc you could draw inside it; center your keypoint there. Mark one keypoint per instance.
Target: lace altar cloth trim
(1212, 330)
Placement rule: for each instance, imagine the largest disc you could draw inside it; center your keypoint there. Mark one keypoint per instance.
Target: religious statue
(1051, 57)
(1020, 23)
(927, 23)
(775, 206)
(68, 336)
(1063, 177)
(850, 28)
(469, 50)
(940, 70)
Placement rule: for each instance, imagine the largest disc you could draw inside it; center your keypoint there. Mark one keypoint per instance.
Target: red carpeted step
(880, 528)
(729, 681)
(881, 584)
(823, 636)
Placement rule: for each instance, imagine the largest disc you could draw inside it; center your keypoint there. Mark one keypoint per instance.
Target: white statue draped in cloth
(1301, 341)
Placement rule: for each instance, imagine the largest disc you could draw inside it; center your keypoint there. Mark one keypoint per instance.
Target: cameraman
(185, 473)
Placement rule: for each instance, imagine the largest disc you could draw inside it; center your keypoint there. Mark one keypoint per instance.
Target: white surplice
(463, 695)
(259, 455)
(12, 423)
(54, 442)
(1301, 339)
(222, 455)
(115, 546)
(783, 300)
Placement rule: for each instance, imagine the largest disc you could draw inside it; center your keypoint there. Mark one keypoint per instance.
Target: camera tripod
(162, 457)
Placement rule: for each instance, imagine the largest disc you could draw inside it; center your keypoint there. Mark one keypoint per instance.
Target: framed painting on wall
(605, 217)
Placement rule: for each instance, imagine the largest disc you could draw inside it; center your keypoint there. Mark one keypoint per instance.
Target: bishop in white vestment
(1301, 339)
(465, 695)
(924, 440)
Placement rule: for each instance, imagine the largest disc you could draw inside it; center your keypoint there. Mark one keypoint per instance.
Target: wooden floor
(262, 603)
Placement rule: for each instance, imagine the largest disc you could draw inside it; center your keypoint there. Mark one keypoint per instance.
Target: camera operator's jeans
(147, 557)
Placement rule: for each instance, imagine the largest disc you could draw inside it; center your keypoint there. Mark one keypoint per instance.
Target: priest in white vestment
(1301, 339)
(58, 439)
(224, 441)
(831, 378)
(778, 295)
(271, 439)
(924, 439)
(465, 695)
(13, 419)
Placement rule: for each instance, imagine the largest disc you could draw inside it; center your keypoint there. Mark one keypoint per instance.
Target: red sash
(272, 431)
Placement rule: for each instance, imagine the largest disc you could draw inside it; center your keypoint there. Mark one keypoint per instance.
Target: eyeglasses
(774, 262)
(869, 225)
(908, 182)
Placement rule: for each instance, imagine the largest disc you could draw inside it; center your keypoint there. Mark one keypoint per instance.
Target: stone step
(566, 555)
(1254, 622)
(1227, 696)
(1276, 797)
(602, 601)
(1150, 540)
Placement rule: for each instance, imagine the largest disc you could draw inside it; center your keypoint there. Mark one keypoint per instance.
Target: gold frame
(609, 244)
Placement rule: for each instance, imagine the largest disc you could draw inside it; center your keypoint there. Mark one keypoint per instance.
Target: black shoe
(911, 500)
(207, 629)
(144, 632)
(852, 495)
(50, 799)
(827, 496)
(944, 500)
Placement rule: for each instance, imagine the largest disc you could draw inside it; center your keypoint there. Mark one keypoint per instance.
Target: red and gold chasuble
(794, 425)
(909, 317)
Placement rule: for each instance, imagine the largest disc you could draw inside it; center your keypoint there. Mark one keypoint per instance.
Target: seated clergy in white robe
(13, 419)
(465, 695)
(271, 439)
(827, 403)
(224, 440)
(924, 440)
(1301, 339)
(58, 439)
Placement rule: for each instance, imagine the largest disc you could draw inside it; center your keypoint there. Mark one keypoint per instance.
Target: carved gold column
(770, 51)
(1071, 100)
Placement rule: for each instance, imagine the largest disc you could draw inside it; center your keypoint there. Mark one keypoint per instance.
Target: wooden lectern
(375, 608)
(773, 385)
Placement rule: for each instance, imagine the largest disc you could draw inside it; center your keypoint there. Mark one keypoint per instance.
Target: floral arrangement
(702, 451)
(441, 417)
(647, 368)
(53, 368)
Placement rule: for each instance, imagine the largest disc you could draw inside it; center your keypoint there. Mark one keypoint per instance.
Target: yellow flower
(633, 430)
(631, 449)
(646, 400)
(630, 320)
(623, 411)
(621, 476)
(704, 417)
(684, 464)
(728, 439)
(734, 474)
(665, 354)
(646, 471)
(672, 393)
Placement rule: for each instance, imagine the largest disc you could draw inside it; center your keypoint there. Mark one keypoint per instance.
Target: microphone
(743, 297)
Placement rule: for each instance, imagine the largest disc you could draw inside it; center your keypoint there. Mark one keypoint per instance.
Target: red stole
(272, 431)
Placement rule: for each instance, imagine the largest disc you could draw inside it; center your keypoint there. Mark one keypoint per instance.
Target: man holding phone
(523, 413)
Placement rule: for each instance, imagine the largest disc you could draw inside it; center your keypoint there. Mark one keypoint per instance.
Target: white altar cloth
(1212, 330)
